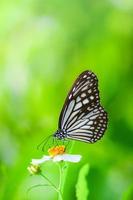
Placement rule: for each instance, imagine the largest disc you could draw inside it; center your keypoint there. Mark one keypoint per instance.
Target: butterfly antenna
(53, 142)
(44, 142)
(68, 143)
(41, 143)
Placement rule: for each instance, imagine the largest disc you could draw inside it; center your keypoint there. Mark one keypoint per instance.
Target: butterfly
(82, 116)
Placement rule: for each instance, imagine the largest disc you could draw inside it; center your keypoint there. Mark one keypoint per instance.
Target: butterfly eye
(82, 117)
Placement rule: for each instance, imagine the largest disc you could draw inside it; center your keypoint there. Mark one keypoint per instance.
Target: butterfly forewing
(84, 91)
(82, 117)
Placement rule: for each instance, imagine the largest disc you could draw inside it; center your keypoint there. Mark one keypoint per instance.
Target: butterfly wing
(89, 128)
(82, 117)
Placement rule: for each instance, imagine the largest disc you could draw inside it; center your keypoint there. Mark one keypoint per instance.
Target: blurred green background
(44, 46)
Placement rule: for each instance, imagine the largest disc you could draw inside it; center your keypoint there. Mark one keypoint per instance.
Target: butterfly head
(60, 134)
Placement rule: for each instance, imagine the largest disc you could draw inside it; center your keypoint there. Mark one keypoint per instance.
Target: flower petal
(67, 157)
(42, 160)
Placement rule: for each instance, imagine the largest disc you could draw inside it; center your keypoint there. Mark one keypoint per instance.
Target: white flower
(57, 154)
(57, 158)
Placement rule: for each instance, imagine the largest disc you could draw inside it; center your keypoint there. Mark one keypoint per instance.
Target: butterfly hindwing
(91, 127)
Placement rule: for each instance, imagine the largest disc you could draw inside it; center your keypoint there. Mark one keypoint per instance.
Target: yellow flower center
(34, 169)
(58, 150)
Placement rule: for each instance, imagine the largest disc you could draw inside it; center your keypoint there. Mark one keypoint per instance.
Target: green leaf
(82, 190)
(128, 194)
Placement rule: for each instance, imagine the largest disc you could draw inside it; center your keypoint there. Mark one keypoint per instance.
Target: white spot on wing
(84, 76)
(91, 97)
(70, 96)
(74, 89)
(90, 123)
(78, 99)
(83, 95)
(78, 105)
(85, 101)
(85, 88)
(89, 91)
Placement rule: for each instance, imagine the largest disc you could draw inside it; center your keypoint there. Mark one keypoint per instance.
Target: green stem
(50, 182)
(72, 146)
(60, 176)
(65, 174)
(60, 196)
(53, 185)
(60, 181)
(34, 186)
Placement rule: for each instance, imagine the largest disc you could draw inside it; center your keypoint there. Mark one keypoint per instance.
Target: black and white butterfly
(82, 117)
